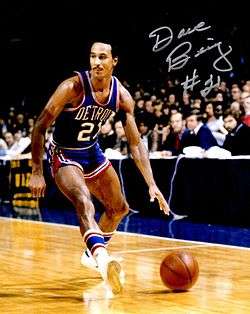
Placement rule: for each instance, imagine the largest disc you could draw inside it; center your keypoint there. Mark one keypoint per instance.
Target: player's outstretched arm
(138, 149)
(65, 93)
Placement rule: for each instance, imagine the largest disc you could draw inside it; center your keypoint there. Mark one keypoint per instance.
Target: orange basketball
(179, 270)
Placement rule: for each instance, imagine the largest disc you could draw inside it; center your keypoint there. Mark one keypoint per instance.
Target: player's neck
(100, 85)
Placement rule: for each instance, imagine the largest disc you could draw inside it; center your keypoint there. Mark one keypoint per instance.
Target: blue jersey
(78, 128)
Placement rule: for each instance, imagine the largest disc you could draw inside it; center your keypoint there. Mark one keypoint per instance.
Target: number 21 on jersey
(87, 133)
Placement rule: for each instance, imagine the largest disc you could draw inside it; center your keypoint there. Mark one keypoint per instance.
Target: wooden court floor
(40, 272)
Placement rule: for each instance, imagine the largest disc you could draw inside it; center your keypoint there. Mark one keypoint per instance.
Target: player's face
(101, 61)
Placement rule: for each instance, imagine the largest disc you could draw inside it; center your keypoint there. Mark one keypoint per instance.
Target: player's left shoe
(88, 260)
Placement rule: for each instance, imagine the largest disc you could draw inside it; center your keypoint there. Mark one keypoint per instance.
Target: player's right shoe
(114, 278)
(111, 272)
(109, 268)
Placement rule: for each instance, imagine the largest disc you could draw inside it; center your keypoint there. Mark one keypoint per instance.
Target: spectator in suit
(238, 139)
(172, 135)
(197, 134)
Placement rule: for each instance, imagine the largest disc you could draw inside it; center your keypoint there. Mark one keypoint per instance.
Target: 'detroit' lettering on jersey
(78, 128)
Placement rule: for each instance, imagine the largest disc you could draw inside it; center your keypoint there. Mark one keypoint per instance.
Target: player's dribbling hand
(37, 185)
(154, 192)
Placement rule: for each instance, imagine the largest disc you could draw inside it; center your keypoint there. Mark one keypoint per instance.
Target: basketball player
(81, 105)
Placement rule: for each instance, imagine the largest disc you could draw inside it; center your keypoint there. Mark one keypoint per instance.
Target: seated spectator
(3, 147)
(121, 140)
(145, 113)
(172, 135)
(185, 106)
(139, 107)
(221, 100)
(245, 89)
(172, 100)
(9, 139)
(3, 126)
(215, 122)
(238, 139)
(21, 145)
(30, 123)
(157, 137)
(107, 136)
(164, 120)
(20, 124)
(246, 106)
(197, 134)
(196, 104)
(236, 97)
(146, 135)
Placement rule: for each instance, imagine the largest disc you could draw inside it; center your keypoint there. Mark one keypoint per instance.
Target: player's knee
(125, 208)
(121, 210)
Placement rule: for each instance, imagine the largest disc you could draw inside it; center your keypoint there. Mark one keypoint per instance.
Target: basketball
(179, 270)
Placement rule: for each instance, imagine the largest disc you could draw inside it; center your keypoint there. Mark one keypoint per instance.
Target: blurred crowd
(168, 119)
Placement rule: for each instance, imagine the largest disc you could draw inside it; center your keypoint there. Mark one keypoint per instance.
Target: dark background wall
(43, 42)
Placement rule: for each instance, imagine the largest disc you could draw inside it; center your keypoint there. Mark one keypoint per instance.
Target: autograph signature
(164, 36)
(168, 39)
(184, 52)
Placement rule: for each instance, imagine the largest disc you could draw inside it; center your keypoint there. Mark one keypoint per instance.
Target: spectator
(145, 114)
(172, 135)
(107, 136)
(197, 134)
(21, 144)
(139, 107)
(3, 147)
(146, 135)
(236, 97)
(215, 122)
(237, 140)
(20, 124)
(121, 140)
(172, 100)
(3, 126)
(31, 123)
(246, 106)
(9, 139)
(185, 106)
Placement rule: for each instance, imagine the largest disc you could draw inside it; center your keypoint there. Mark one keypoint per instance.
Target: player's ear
(115, 61)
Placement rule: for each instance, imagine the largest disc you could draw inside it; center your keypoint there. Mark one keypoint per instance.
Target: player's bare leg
(107, 189)
(71, 182)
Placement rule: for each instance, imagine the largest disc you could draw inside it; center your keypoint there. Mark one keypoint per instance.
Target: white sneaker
(88, 260)
(114, 271)
(111, 272)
